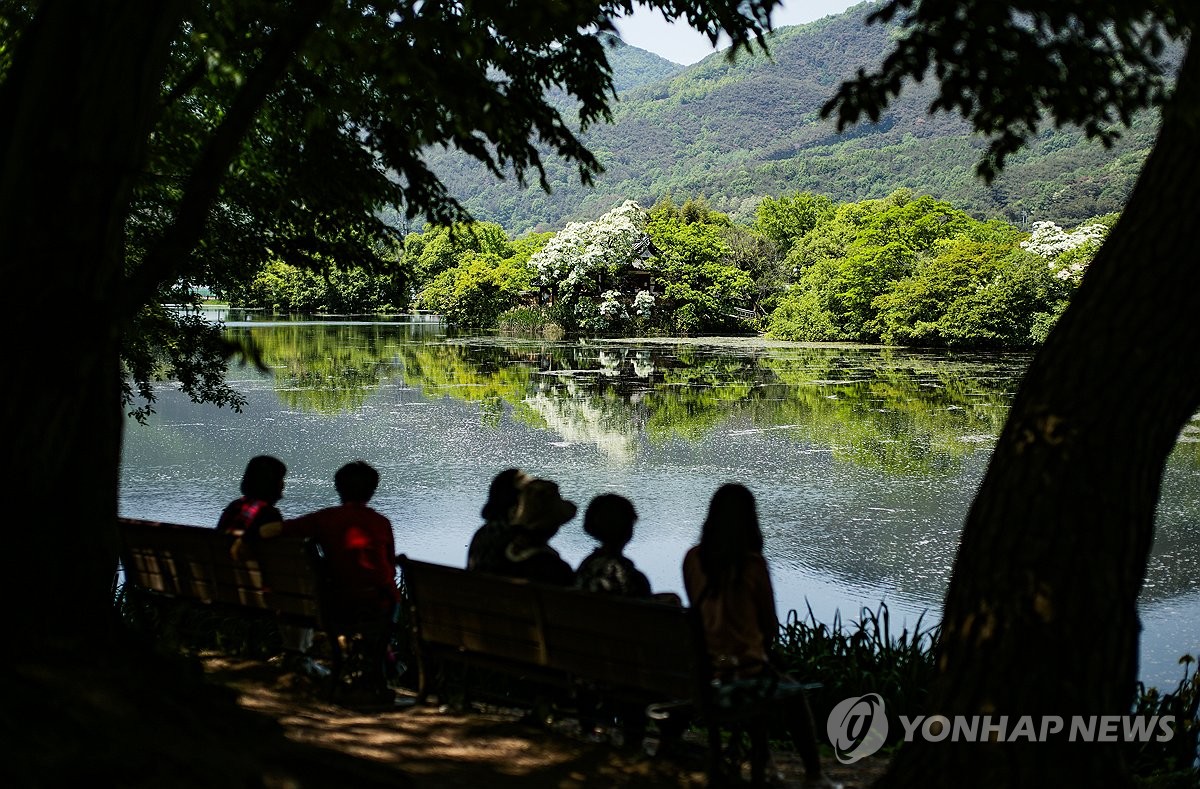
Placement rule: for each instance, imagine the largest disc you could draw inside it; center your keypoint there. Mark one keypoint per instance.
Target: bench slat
(283, 577)
(635, 648)
(624, 643)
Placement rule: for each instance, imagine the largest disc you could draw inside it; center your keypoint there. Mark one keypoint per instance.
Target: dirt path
(429, 747)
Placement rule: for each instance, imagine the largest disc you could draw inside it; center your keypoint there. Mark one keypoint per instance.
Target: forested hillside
(633, 67)
(735, 132)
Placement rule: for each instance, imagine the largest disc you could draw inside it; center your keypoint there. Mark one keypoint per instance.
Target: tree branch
(168, 258)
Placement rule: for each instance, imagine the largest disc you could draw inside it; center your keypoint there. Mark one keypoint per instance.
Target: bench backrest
(632, 645)
(284, 576)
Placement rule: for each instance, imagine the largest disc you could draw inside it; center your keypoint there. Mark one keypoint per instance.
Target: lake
(864, 460)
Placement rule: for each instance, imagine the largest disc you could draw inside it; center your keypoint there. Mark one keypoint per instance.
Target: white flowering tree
(1067, 251)
(579, 268)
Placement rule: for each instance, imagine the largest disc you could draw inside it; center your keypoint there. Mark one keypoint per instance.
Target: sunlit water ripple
(863, 461)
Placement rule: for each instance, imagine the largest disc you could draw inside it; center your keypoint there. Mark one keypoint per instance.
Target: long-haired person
(729, 584)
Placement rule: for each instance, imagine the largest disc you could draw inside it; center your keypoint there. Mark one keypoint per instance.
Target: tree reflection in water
(864, 460)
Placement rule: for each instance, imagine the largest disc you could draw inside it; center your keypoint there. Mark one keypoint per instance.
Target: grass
(862, 656)
(1176, 762)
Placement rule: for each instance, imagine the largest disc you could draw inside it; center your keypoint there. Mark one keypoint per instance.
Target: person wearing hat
(539, 513)
(609, 518)
(486, 552)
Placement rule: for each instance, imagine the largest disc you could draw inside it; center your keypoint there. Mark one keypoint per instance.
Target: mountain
(734, 132)
(633, 67)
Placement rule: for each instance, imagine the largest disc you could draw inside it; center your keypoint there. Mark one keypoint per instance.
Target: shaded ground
(485, 747)
(226, 722)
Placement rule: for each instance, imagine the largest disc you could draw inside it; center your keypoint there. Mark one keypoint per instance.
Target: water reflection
(864, 460)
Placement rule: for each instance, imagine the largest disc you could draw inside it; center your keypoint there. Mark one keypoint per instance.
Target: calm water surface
(864, 460)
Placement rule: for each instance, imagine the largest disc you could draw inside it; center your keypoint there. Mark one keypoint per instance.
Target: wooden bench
(282, 578)
(632, 650)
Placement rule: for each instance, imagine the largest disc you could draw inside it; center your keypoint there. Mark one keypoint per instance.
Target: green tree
(803, 313)
(283, 288)
(442, 247)
(975, 290)
(785, 220)
(854, 257)
(702, 290)
(1040, 616)
(759, 257)
(475, 291)
(94, 96)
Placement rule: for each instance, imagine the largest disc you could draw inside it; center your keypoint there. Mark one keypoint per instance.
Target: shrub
(528, 320)
(1176, 762)
(860, 657)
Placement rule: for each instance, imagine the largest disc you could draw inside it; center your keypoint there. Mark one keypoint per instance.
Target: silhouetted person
(361, 554)
(728, 582)
(243, 518)
(539, 513)
(262, 488)
(607, 570)
(486, 551)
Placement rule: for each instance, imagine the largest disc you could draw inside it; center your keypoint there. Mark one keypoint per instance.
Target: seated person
(539, 513)
(609, 518)
(262, 488)
(361, 553)
(728, 582)
(607, 570)
(486, 551)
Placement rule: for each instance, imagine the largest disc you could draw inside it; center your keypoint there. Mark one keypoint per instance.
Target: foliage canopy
(1093, 65)
(288, 131)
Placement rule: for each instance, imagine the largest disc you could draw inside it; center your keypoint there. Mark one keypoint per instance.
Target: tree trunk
(78, 103)
(1041, 612)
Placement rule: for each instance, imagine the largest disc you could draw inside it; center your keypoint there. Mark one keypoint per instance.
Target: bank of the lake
(864, 460)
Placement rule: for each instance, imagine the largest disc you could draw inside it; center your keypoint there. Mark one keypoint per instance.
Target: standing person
(486, 551)
(539, 514)
(728, 582)
(243, 518)
(360, 548)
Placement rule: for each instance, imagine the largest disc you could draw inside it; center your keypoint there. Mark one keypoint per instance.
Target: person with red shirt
(360, 550)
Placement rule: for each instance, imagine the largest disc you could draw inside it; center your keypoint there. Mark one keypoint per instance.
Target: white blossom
(611, 306)
(643, 303)
(1049, 240)
(1052, 242)
(571, 260)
